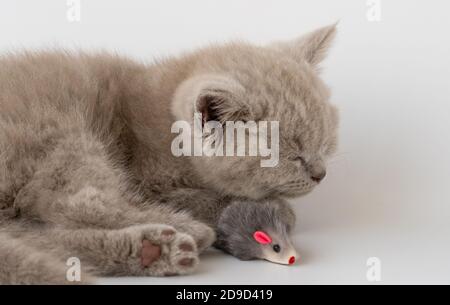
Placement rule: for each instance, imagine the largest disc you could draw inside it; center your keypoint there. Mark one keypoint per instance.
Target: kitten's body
(85, 154)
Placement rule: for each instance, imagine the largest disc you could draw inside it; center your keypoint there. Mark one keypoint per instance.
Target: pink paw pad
(149, 253)
(186, 247)
(186, 262)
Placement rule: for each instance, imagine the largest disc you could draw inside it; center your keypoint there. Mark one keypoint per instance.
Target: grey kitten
(85, 153)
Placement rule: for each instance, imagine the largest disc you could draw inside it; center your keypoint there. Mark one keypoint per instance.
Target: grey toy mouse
(257, 230)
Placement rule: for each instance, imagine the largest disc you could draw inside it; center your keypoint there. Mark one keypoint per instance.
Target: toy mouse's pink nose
(291, 260)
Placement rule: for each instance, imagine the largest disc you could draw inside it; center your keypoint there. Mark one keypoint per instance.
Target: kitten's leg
(182, 221)
(78, 187)
(141, 250)
(22, 264)
(89, 207)
(203, 235)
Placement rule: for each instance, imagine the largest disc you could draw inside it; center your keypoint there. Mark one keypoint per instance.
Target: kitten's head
(280, 82)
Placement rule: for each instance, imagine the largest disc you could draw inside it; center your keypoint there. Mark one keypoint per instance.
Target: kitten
(86, 168)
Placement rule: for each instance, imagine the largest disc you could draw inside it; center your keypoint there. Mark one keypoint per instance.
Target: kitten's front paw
(160, 250)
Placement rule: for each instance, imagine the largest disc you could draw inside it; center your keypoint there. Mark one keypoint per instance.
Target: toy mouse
(255, 230)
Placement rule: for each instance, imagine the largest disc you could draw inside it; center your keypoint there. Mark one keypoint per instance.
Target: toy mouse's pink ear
(262, 237)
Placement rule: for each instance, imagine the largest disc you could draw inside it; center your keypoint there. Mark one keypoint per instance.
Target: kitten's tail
(21, 264)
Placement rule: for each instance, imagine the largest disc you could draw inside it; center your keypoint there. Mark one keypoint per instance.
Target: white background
(388, 190)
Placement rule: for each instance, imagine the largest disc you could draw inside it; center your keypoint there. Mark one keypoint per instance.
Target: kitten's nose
(317, 170)
(318, 176)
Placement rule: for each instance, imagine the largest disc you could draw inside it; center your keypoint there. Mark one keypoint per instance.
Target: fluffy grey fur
(85, 163)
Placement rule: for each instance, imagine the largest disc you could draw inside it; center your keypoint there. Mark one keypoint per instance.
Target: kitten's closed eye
(298, 159)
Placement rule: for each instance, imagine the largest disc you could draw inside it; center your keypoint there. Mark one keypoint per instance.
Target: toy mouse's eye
(276, 248)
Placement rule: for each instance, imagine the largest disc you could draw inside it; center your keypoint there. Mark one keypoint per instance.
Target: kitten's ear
(312, 47)
(217, 98)
(217, 104)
